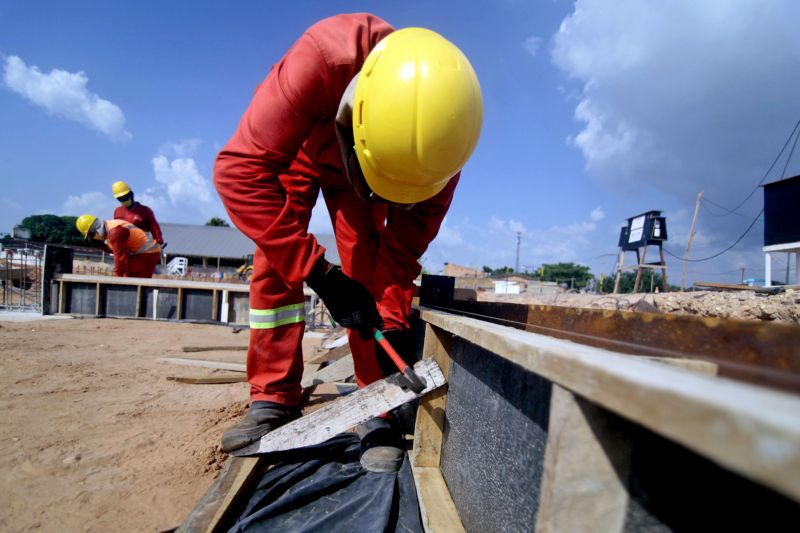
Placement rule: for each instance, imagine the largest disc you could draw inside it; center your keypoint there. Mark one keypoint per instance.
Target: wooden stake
(689, 243)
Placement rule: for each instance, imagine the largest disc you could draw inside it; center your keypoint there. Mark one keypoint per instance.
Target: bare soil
(94, 437)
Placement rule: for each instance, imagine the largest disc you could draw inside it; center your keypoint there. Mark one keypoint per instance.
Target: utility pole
(689, 243)
(742, 282)
(516, 265)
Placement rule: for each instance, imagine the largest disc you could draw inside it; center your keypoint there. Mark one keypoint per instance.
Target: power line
(753, 223)
(710, 211)
(788, 140)
(788, 159)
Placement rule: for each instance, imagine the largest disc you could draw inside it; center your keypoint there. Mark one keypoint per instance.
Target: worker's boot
(382, 445)
(261, 418)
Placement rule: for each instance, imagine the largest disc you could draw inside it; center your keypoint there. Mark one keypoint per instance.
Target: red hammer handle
(401, 365)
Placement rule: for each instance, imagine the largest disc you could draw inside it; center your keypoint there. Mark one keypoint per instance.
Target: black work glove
(349, 302)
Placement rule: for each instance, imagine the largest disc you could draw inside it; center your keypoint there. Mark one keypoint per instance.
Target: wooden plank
(217, 365)
(161, 283)
(138, 311)
(61, 298)
(331, 355)
(214, 508)
(435, 504)
(215, 305)
(586, 465)
(345, 413)
(338, 371)
(179, 312)
(748, 429)
(97, 300)
(209, 380)
(241, 347)
(430, 415)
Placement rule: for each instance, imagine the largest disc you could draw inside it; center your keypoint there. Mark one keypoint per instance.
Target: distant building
(219, 246)
(458, 271)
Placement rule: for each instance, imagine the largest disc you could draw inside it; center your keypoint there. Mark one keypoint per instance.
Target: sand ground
(94, 437)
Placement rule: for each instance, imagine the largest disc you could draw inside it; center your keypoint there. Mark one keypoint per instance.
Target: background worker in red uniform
(381, 122)
(137, 214)
(135, 253)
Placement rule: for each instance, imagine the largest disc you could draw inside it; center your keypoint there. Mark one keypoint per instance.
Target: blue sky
(594, 111)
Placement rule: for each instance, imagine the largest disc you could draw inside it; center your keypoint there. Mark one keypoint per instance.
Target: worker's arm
(405, 239)
(289, 103)
(152, 223)
(118, 238)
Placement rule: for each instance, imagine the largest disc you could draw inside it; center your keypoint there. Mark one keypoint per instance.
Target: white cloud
(184, 148)
(532, 45)
(597, 214)
(682, 95)
(182, 179)
(96, 203)
(516, 226)
(65, 94)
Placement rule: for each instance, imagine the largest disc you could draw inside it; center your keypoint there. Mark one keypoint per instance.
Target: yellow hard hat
(84, 224)
(120, 188)
(417, 115)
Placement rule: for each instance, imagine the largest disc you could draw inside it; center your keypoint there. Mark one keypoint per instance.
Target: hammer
(412, 380)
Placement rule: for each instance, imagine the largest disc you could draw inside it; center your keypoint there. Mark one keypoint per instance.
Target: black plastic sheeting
(325, 488)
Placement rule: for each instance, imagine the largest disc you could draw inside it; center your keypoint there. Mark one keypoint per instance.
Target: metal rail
(763, 353)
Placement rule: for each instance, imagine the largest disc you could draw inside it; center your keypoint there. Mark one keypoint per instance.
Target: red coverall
(269, 176)
(135, 254)
(140, 216)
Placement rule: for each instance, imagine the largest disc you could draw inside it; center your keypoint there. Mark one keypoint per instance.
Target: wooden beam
(209, 380)
(97, 299)
(138, 311)
(345, 413)
(179, 311)
(241, 347)
(338, 371)
(217, 365)
(331, 355)
(214, 509)
(435, 504)
(585, 468)
(215, 305)
(748, 429)
(430, 415)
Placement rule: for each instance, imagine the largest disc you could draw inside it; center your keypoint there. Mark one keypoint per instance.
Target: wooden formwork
(610, 431)
(155, 298)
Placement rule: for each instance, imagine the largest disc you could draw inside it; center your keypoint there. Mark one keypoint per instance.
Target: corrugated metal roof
(215, 241)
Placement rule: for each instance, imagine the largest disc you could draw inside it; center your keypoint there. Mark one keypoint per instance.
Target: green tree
(217, 221)
(53, 229)
(502, 271)
(575, 276)
(627, 280)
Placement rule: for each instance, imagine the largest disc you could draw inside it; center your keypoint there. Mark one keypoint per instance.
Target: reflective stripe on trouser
(281, 316)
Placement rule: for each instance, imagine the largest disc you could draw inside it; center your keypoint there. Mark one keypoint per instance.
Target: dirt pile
(742, 305)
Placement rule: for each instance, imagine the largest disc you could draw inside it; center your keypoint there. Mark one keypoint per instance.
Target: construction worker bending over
(132, 211)
(135, 253)
(381, 122)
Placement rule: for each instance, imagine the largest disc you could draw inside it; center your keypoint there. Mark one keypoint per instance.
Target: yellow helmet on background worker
(120, 188)
(84, 224)
(417, 115)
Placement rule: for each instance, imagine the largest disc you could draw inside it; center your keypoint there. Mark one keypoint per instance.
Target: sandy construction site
(94, 437)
